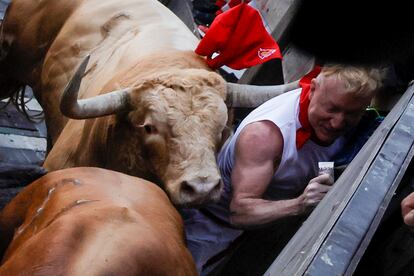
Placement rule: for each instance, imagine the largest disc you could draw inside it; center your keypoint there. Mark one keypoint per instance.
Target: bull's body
(138, 44)
(90, 221)
(49, 38)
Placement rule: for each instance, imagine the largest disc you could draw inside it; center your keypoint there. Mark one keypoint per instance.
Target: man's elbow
(236, 221)
(242, 222)
(239, 216)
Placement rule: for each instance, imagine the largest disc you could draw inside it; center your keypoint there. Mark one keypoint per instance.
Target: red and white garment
(239, 39)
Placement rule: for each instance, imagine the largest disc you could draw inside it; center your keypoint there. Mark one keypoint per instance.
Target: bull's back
(36, 29)
(89, 221)
(117, 34)
(29, 29)
(49, 39)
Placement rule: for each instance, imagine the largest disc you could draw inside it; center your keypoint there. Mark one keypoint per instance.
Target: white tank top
(296, 167)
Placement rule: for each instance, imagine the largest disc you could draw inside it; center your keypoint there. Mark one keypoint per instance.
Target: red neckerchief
(306, 131)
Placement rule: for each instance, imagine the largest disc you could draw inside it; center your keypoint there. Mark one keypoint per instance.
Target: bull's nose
(200, 187)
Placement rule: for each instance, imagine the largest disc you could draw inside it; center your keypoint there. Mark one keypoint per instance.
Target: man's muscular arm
(259, 150)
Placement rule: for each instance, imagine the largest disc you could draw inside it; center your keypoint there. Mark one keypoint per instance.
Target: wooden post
(278, 15)
(303, 248)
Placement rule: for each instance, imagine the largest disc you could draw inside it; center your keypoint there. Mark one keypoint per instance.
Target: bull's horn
(97, 106)
(243, 95)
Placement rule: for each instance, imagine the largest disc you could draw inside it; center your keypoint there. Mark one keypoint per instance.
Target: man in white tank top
(269, 166)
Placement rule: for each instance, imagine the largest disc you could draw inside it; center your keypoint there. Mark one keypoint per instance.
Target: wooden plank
(361, 217)
(8, 194)
(31, 104)
(301, 249)
(183, 9)
(378, 218)
(10, 117)
(296, 64)
(3, 6)
(19, 175)
(24, 132)
(13, 177)
(22, 142)
(21, 156)
(278, 15)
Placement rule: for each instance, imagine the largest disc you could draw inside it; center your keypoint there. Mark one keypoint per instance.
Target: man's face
(332, 111)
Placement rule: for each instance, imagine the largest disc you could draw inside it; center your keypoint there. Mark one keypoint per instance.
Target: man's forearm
(249, 212)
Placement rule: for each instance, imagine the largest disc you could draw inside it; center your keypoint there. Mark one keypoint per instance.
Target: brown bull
(167, 114)
(90, 221)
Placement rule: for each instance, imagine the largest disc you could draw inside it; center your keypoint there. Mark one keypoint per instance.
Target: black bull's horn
(238, 95)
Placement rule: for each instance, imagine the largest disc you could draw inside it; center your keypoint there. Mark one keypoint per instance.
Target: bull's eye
(150, 129)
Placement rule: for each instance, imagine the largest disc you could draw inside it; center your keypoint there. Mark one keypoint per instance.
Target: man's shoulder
(261, 128)
(279, 109)
(261, 135)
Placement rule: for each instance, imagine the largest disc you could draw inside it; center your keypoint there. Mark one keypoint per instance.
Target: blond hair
(358, 80)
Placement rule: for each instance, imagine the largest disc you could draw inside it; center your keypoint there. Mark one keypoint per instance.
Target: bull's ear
(189, 77)
(214, 79)
(208, 79)
(218, 82)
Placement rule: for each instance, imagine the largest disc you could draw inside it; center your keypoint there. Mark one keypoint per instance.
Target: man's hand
(315, 191)
(407, 209)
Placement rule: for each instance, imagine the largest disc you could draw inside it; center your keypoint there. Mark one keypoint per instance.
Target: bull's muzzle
(200, 190)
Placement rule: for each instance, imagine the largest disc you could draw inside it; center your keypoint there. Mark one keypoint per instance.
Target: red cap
(239, 38)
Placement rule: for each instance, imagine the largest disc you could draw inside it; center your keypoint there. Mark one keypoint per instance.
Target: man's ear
(313, 85)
